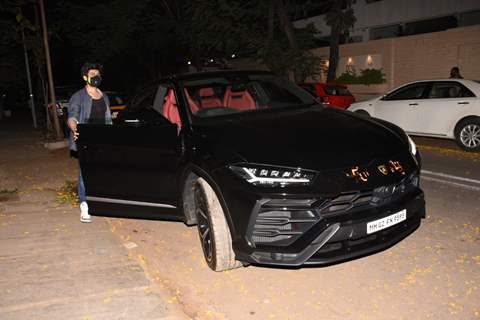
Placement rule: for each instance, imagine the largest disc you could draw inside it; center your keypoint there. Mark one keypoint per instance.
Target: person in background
(455, 73)
(88, 105)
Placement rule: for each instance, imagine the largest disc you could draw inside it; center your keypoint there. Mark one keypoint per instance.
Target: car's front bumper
(295, 230)
(341, 240)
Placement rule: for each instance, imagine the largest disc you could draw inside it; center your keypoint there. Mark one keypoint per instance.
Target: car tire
(467, 134)
(362, 113)
(213, 230)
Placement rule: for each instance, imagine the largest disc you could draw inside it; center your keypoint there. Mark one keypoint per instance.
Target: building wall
(411, 58)
(387, 12)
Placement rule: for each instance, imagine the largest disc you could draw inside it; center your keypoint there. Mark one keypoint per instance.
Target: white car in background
(445, 108)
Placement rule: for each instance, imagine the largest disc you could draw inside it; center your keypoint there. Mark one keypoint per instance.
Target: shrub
(367, 76)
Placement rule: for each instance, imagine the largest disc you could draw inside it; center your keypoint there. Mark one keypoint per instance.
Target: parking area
(432, 274)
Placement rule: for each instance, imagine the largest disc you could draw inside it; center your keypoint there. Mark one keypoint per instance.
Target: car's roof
(470, 84)
(443, 79)
(211, 74)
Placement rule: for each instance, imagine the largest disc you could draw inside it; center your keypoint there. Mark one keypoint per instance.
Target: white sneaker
(84, 216)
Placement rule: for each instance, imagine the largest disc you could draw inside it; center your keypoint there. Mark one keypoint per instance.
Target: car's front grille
(364, 199)
(280, 222)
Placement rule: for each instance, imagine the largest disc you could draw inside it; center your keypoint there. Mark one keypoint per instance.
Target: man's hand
(72, 124)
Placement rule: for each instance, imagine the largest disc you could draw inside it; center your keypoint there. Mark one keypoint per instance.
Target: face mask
(94, 81)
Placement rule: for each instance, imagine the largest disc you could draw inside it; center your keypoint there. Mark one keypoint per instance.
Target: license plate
(386, 222)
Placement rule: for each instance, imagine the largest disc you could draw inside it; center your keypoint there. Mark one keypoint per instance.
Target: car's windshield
(221, 95)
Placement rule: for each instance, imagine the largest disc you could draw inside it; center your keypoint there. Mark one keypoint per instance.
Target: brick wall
(424, 56)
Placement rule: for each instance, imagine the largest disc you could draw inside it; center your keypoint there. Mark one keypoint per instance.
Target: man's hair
(89, 66)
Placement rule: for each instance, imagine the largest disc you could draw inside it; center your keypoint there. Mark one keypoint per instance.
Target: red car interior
(170, 109)
(208, 99)
(192, 104)
(241, 100)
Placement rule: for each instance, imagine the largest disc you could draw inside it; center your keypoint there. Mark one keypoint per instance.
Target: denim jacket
(79, 109)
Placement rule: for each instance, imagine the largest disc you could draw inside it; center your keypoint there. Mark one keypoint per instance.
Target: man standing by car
(88, 105)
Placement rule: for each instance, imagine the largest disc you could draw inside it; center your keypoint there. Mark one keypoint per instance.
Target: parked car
(118, 102)
(249, 158)
(334, 95)
(62, 97)
(445, 108)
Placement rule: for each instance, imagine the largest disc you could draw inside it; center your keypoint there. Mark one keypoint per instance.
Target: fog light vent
(282, 221)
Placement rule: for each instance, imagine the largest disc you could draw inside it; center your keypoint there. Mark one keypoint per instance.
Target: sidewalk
(51, 265)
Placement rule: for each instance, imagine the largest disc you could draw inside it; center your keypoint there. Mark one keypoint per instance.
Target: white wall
(388, 12)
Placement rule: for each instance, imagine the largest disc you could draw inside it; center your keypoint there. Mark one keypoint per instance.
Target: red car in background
(335, 95)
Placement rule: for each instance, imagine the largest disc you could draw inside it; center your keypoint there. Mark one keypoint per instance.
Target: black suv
(268, 175)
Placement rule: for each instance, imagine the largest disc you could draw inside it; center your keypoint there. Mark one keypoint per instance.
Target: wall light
(369, 60)
(350, 61)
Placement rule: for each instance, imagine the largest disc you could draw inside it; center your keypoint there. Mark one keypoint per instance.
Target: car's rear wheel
(467, 134)
(213, 229)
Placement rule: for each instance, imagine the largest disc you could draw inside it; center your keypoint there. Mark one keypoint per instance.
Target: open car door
(130, 168)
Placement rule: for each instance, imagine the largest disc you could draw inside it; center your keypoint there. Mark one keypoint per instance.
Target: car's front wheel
(467, 134)
(213, 229)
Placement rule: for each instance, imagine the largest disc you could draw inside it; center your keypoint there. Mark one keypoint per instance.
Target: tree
(262, 30)
(136, 40)
(340, 18)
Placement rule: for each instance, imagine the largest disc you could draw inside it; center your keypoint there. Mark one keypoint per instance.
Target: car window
(116, 100)
(144, 99)
(215, 96)
(448, 89)
(336, 91)
(310, 88)
(408, 92)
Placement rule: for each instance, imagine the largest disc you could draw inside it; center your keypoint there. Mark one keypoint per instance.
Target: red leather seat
(170, 109)
(208, 99)
(241, 100)
(192, 104)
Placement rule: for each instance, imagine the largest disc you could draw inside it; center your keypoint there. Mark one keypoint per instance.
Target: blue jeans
(82, 197)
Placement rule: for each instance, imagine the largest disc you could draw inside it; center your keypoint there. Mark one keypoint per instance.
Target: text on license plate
(386, 222)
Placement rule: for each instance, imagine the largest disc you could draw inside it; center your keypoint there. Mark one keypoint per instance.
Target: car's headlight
(273, 176)
(413, 146)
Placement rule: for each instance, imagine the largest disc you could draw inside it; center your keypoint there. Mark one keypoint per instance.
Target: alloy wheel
(204, 225)
(470, 136)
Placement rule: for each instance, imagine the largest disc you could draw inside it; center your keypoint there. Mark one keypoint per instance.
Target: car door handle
(463, 102)
(132, 121)
(413, 104)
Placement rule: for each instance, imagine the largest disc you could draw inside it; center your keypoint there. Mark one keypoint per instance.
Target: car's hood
(314, 138)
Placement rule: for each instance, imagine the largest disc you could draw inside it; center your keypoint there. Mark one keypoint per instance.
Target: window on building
(430, 25)
(390, 31)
